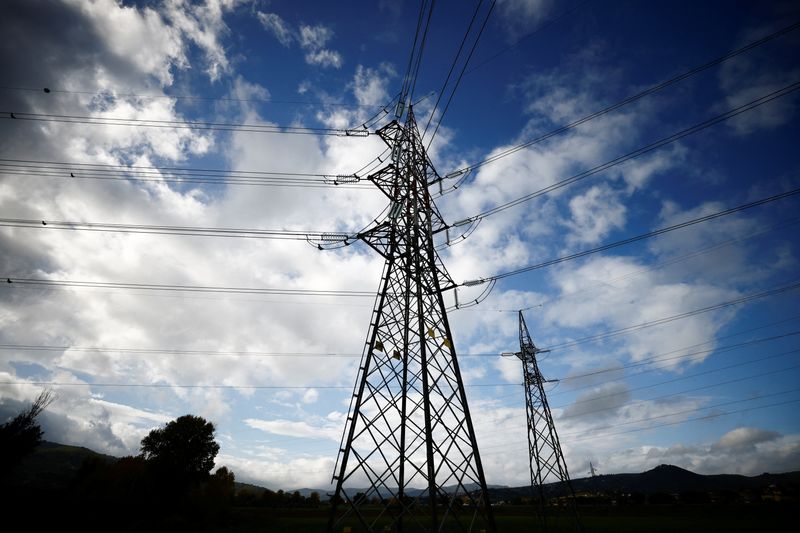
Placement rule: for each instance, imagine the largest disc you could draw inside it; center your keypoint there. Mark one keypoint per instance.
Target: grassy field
(649, 519)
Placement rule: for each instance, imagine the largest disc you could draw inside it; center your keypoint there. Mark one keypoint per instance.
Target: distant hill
(663, 478)
(54, 467)
(51, 466)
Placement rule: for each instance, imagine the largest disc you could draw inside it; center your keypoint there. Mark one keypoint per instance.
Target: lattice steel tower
(545, 457)
(409, 445)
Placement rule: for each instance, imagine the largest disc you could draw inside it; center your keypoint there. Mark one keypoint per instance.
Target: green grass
(648, 519)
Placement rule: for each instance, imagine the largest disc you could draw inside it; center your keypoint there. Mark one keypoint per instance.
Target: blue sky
(714, 392)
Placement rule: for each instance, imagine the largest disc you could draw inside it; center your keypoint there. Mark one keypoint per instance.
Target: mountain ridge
(54, 466)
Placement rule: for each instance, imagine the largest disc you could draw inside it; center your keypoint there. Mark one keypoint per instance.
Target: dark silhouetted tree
(182, 453)
(313, 499)
(221, 485)
(21, 435)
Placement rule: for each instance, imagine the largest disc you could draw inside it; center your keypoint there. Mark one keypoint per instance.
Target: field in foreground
(518, 519)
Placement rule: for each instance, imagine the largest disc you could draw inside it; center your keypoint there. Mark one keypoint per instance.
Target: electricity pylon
(545, 457)
(409, 460)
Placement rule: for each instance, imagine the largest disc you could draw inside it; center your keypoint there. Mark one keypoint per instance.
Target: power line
(407, 76)
(49, 90)
(179, 124)
(511, 422)
(192, 231)
(679, 316)
(690, 376)
(593, 435)
(516, 43)
(635, 97)
(636, 153)
(241, 353)
(661, 359)
(103, 167)
(182, 288)
(168, 351)
(461, 74)
(663, 356)
(673, 260)
(202, 386)
(452, 66)
(706, 417)
(65, 170)
(413, 80)
(635, 238)
(681, 392)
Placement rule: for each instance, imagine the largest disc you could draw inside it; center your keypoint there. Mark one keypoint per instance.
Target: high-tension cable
(188, 231)
(636, 238)
(181, 124)
(460, 75)
(140, 96)
(11, 281)
(152, 174)
(635, 97)
(635, 153)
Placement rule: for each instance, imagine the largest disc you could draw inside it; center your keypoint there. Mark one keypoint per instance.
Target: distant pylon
(409, 461)
(546, 460)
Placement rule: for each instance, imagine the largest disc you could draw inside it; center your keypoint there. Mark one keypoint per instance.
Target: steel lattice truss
(409, 447)
(546, 459)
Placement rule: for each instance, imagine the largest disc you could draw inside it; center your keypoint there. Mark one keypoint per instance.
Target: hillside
(51, 466)
(661, 479)
(54, 467)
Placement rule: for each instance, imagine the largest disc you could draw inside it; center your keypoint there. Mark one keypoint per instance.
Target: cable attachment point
(450, 241)
(355, 133)
(341, 179)
(330, 241)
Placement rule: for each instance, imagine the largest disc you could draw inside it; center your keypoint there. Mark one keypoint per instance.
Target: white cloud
(594, 214)
(601, 402)
(291, 428)
(753, 75)
(280, 472)
(776, 455)
(522, 16)
(312, 39)
(324, 58)
(310, 396)
(203, 25)
(275, 24)
(157, 40)
(744, 439)
(370, 86)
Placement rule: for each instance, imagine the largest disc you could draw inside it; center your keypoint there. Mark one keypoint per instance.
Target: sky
(679, 349)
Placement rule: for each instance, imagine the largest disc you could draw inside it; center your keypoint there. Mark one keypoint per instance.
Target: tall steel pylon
(409, 460)
(546, 460)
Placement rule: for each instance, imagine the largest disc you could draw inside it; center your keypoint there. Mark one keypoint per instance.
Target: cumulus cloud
(751, 76)
(157, 40)
(774, 454)
(311, 39)
(277, 26)
(291, 428)
(600, 402)
(594, 214)
(744, 439)
(522, 16)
